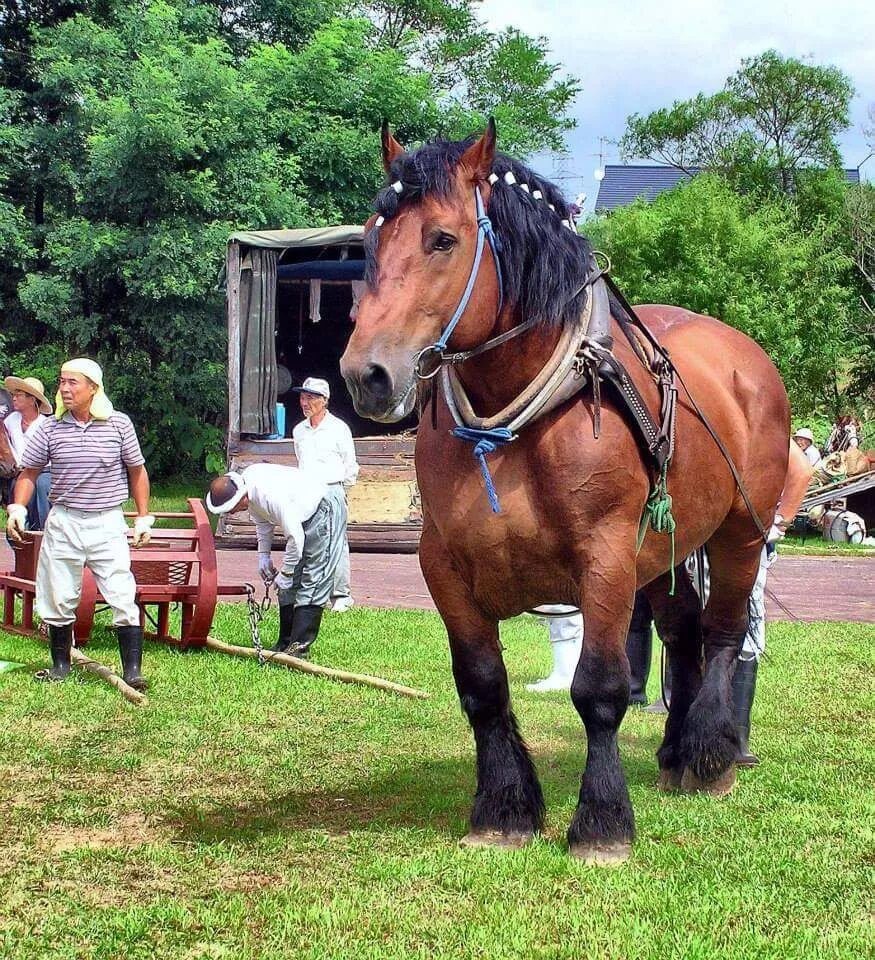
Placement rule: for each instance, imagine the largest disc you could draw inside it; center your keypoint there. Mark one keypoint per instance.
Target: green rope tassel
(657, 513)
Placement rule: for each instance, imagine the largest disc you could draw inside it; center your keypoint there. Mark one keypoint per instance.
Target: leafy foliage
(756, 265)
(135, 137)
(775, 115)
(773, 240)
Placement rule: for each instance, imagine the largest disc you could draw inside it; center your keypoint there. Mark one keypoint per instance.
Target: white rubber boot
(566, 642)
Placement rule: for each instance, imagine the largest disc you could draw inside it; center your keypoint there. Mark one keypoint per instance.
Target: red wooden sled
(178, 566)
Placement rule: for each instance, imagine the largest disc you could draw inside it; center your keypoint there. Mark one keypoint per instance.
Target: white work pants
(754, 644)
(73, 539)
(341, 586)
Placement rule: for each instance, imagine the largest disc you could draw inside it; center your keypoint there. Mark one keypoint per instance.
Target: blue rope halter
(486, 441)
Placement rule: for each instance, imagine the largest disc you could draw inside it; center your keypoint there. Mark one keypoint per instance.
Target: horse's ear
(479, 156)
(392, 149)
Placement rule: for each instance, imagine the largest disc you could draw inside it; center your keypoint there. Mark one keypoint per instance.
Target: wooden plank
(232, 301)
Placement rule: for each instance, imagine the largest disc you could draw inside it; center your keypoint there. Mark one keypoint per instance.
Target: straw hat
(32, 387)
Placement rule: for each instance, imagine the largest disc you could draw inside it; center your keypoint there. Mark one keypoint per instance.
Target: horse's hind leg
(678, 622)
(508, 806)
(709, 741)
(603, 825)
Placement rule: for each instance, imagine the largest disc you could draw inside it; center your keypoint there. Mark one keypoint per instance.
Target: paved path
(810, 588)
(806, 588)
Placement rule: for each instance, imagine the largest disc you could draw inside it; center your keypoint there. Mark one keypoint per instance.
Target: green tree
(754, 265)
(774, 114)
(140, 135)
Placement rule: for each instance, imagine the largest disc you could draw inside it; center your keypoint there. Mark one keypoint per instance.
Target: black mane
(543, 263)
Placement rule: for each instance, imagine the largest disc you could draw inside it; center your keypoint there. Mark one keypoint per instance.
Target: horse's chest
(523, 544)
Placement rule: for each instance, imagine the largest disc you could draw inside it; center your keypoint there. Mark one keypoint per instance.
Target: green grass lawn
(254, 812)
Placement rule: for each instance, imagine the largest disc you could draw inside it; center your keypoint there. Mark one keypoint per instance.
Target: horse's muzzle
(376, 394)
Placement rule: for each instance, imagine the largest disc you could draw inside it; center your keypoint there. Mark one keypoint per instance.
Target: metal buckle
(606, 269)
(428, 362)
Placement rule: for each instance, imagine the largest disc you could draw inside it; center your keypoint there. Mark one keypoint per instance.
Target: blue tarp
(322, 270)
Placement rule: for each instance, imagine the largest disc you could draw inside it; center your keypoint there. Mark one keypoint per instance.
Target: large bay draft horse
(571, 504)
(8, 466)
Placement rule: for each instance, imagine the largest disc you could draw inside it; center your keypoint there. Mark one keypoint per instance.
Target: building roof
(622, 184)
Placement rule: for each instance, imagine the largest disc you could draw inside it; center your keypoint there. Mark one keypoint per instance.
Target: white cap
(314, 385)
(805, 434)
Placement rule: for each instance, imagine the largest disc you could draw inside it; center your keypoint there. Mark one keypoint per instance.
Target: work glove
(266, 569)
(143, 530)
(16, 518)
(779, 529)
(284, 581)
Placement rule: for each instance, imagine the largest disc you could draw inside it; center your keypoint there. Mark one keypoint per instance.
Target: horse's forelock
(543, 262)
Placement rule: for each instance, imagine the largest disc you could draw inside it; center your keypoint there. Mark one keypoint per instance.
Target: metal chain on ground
(256, 612)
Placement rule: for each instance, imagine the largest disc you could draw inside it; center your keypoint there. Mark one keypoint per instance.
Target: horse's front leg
(603, 826)
(508, 806)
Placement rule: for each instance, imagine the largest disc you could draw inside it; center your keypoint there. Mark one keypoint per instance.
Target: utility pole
(599, 172)
(564, 177)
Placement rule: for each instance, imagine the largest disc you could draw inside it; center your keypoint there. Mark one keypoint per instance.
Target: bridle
(430, 359)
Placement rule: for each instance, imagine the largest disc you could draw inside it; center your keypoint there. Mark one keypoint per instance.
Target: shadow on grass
(433, 795)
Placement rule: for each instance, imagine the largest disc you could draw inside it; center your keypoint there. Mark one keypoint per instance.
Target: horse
(570, 488)
(8, 465)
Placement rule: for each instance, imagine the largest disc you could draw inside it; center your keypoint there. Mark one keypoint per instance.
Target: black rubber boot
(659, 705)
(60, 642)
(305, 629)
(287, 618)
(743, 686)
(130, 645)
(639, 645)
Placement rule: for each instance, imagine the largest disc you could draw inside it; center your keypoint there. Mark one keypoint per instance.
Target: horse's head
(420, 249)
(428, 286)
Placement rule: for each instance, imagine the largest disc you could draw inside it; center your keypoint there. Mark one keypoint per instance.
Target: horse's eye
(444, 242)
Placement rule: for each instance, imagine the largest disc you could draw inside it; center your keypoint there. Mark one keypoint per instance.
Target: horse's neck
(495, 378)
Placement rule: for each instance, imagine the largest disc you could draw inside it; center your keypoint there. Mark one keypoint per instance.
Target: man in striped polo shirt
(95, 454)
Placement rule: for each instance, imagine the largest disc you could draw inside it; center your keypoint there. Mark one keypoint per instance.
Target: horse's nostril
(376, 381)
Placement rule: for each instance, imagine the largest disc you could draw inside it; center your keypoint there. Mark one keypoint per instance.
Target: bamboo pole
(105, 673)
(295, 663)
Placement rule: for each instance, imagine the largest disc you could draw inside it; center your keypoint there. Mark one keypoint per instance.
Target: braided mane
(543, 262)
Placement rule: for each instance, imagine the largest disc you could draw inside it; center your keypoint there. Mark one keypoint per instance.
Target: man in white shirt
(30, 409)
(298, 504)
(325, 449)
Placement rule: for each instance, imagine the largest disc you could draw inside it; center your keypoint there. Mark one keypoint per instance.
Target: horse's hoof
(690, 783)
(607, 854)
(495, 838)
(669, 780)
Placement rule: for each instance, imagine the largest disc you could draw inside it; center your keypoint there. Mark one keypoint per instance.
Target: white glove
(16, 518)
(284, 581)
(143, 530)
(779, 529)
(266, 569)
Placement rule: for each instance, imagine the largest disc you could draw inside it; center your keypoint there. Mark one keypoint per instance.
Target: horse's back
(719, 359)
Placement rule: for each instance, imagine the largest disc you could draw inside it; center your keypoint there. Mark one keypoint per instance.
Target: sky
(635, 56)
